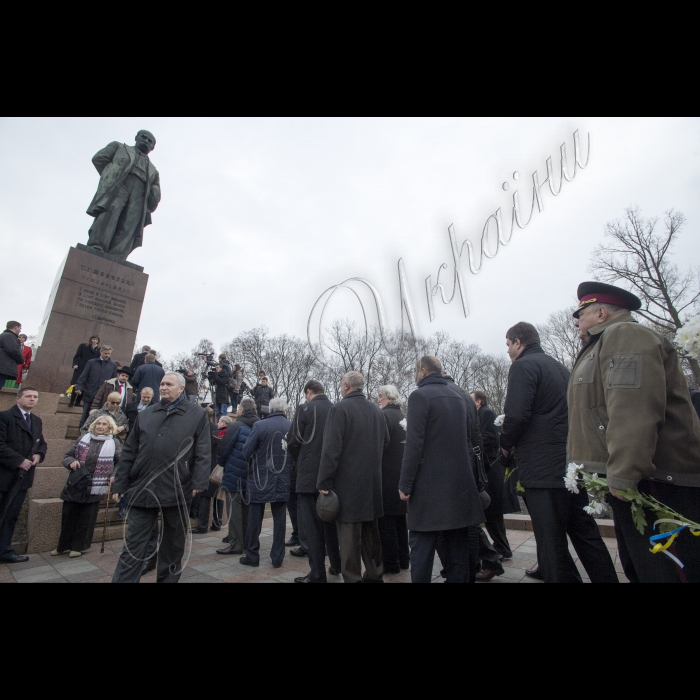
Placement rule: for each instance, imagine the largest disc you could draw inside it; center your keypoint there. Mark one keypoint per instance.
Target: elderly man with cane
(22, 447)
(166, 461)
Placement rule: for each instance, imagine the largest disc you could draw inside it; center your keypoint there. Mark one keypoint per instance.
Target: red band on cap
(606, 299)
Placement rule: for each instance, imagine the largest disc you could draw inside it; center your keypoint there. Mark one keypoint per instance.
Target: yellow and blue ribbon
(658, 544)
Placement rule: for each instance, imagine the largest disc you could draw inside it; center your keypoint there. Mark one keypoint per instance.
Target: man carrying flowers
(631, 418)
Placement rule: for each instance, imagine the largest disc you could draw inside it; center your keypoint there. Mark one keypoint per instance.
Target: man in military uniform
(128, 193)
(630, 417)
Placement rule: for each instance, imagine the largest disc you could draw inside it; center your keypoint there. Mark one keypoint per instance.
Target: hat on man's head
(599, 293)
(125, 370)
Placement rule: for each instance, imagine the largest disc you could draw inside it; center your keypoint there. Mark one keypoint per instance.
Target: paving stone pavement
(204, 565)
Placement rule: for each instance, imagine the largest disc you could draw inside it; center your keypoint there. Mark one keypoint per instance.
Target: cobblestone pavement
(206, 566)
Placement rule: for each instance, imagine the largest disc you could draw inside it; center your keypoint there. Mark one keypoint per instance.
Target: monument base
(93, 295)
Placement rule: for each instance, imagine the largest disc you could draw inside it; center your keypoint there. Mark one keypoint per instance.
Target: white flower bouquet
(669, 523)
(499, 421)
(404, 424)
(688, 338)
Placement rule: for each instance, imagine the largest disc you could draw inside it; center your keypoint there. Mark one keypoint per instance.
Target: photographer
(191, 384)
(221, 379)
(263, 394)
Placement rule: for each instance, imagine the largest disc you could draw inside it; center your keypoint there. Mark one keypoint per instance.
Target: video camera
(209, 358)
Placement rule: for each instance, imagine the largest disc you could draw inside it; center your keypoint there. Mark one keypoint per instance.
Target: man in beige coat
(631, 418)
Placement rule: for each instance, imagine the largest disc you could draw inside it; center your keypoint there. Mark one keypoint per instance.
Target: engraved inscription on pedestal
(92, 295)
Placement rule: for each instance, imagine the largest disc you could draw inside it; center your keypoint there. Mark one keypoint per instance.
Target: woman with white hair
(393, 529)
(91, 462)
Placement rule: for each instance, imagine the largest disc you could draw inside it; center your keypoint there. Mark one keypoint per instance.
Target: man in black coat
(140, 358)
(437, 477)
(536, 427)
(165, 462)
(83, 355)
(305, 445)
(95, 374)
(695, 398)
(22, 447)
(351, 465)
(502, 499)
(10, 352)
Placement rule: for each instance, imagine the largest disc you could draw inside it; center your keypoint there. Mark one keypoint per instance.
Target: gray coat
(10, 354)
(166, 457)
(437, 467)
(148, 375)
(351, 462)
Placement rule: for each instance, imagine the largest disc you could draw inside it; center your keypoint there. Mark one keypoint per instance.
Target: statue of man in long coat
(128, 193)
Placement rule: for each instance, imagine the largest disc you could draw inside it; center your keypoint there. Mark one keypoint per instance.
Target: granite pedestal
(93, 295)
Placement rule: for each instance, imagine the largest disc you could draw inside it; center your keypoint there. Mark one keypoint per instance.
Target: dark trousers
(205, 511)
(87, 407)
(256, 514)
(457, 554)
(555, 514)
(496, 527)
(77, 526)
(235, 400)
(393, 532)
(11, 517)
(488, 555)
(320, 537)
(639, 564)
(143, 522)
(360, 543)
(292, 507)
(237, 520)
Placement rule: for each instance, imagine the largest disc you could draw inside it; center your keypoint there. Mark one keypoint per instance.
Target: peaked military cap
(599, 293)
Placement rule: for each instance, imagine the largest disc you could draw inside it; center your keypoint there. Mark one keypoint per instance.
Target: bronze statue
(128, 193)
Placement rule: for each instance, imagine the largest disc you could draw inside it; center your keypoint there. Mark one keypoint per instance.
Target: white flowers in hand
(688, 338)
(285, 446)
(499, 421)
(571, 478)
(404, 424)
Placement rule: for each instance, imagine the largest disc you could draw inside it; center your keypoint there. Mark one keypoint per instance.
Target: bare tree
(637, 253)
(559, 337)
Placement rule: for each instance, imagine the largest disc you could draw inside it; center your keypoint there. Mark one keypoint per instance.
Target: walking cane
(104, 529)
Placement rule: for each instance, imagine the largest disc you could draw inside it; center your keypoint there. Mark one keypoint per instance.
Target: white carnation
(596, 508)
(499, 421)
(404, 424)
(285, 446)
(688, 338)
(571, 478)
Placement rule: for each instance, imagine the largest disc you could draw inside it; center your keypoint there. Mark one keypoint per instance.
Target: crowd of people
(370, 488)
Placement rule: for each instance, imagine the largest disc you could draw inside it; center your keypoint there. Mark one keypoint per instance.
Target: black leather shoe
(226, 540)
(299, 553)
(303, 579)
(151, 566)
(292, 542)
(199, 531)
(215, 528)
(392, 572)
(229, 551)
(535, 574)
(14, 559)
(333, 572)
(246, 562)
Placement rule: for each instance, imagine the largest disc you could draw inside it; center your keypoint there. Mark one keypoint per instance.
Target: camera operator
(221, 380)
(191, 385)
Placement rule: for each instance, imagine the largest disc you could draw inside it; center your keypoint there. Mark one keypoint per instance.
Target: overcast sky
(260, 215)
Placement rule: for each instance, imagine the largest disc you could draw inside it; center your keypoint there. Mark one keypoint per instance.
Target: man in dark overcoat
(140, 358)
(128, 193)
(165, 462)
(437, 477)
(305, 445)
(10, 352)
(503, 500)
(536, 426)
(95, 374)
(22, 447)
(351, 465)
